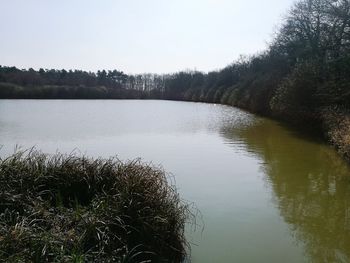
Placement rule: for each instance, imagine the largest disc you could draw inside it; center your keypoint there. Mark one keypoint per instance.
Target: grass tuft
(68, 208)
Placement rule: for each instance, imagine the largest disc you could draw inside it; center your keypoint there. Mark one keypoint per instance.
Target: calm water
(266, 194)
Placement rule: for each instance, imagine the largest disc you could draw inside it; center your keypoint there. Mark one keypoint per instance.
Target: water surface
(266, 193)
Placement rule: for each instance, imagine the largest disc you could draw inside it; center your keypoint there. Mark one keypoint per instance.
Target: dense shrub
(296, 92)
(336, 123)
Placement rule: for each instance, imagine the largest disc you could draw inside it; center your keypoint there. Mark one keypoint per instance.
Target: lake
(266, 193)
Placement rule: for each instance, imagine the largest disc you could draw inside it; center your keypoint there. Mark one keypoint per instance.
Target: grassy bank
(64, 208)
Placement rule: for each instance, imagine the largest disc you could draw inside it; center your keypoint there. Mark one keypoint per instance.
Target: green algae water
(265, 192)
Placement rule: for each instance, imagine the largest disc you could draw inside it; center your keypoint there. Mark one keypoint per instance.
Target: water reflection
(311, 186)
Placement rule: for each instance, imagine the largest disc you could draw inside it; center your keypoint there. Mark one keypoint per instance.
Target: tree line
(306, 66)
(62, 84)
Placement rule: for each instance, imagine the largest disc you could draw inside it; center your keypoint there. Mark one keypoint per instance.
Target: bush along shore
(303, 77)
(67, 208)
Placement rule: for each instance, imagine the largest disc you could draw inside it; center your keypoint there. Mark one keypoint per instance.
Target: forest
(302, 77)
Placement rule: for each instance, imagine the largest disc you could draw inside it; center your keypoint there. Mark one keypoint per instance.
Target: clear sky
(135, 36)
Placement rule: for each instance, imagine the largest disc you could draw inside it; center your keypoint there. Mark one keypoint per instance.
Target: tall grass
(68, 208)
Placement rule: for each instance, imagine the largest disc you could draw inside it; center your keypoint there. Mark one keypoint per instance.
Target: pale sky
(136, 36)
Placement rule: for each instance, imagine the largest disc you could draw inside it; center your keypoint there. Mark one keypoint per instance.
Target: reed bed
(69, 208)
